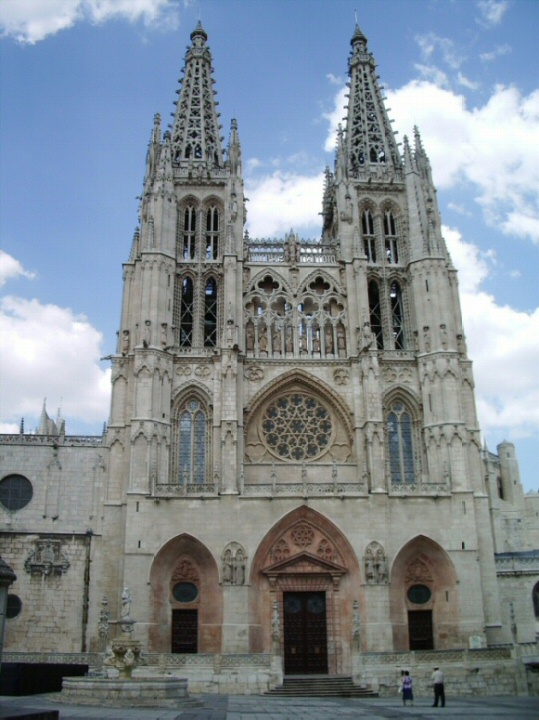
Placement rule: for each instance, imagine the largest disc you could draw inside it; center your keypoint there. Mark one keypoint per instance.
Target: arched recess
(303, 553)
(423, 563)
(185, 559)
(403, 435)
(191, 436)
(340, 445)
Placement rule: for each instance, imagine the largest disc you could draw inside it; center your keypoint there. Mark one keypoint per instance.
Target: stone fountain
(124, 655)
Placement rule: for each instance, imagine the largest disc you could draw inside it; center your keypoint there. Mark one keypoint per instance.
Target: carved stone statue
(126, 604)
(328, 339)
(146, 340)
(249, 337)
(227, 567)
(125, 342)
(381, 567)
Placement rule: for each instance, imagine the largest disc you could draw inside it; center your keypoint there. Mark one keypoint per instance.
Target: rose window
(303, 535)
(297, 427)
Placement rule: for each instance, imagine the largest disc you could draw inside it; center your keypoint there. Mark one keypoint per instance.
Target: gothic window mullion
(397, 315)
(212, 234)
(375, 313)
(402, 441)
(210, 313)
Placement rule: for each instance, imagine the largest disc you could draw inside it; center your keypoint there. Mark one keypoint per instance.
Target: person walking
(407, 685)
(439, 689)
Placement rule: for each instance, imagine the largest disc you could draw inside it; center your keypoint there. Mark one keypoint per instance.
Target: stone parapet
(487, 671)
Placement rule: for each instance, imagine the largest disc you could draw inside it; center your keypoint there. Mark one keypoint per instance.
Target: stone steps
(320, 686)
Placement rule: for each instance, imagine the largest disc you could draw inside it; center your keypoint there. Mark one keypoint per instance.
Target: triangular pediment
(304, 563)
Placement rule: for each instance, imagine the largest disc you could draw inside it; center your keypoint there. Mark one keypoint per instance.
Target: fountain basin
(121, 692)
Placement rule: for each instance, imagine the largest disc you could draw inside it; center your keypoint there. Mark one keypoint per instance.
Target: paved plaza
(268, 708)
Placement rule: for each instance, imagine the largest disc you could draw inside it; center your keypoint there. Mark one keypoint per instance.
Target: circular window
(419, 594)
(14, 606)
(15, 492)
(297, 427)
(185, 592)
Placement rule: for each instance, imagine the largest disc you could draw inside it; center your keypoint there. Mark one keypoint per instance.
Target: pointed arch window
(390, 234)
(212, 234)
(535, 600)
(186, 312)
(375, 314)
(190, 450)
(397, 315)
(369, 243)
(189, 234)
(210, 314)
(400, 441)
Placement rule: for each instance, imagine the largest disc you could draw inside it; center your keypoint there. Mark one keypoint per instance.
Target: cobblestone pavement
(255, 707)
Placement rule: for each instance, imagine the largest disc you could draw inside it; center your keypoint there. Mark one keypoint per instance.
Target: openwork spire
(370, 143)
(196, 130)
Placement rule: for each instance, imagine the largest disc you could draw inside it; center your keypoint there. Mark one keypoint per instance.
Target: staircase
(320, 686)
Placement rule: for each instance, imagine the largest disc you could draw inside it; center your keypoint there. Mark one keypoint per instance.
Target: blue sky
(80, 81)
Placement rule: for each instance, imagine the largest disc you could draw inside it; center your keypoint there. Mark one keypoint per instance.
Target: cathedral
(292, 479)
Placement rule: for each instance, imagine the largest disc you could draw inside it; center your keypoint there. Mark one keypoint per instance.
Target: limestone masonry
(292, 480)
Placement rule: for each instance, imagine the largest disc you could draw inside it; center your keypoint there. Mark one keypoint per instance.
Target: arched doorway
(186, 612)
(424, 601)
(304, 580)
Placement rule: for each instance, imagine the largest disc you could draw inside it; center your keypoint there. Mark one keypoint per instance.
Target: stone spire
(423, 214)
(196, 130)
(369, 140)
(234, 150)
(154, 149)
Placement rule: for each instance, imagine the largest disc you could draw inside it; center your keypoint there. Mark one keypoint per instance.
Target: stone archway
(424, 600)
(185, 563)
(305, 560)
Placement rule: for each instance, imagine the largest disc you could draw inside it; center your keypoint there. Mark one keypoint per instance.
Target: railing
(63, 440)
(405, 488)
(183, 490)
(304, 489)
(273, 251)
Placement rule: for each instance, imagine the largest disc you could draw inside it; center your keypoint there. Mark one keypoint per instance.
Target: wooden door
(305, 633)
(184, 631)
(420, 630)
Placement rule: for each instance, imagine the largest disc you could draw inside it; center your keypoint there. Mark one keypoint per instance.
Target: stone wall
(51, 584)
(491, 671)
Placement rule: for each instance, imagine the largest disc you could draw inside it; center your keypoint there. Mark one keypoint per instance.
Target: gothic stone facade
(292, 466)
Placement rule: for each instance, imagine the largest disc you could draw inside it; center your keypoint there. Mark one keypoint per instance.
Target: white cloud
(466, 82)
(281, 200)
(492, 12)
(335, 118)
(497, 52)
(430, 43)
(47, 350)
(10, 268)
(29, 21)
(503, 343)
(432, 73)
(493, 148)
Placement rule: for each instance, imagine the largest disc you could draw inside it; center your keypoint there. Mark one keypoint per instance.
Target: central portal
(305, 633)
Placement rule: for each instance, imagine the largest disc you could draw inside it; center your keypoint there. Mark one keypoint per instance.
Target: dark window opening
(210, 314)
(186, 313)
(212, 234)
(375, 311)
(15, 492)
(189, 234)
(397, 315)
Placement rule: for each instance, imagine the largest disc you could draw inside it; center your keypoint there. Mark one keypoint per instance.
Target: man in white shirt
(439, 690)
